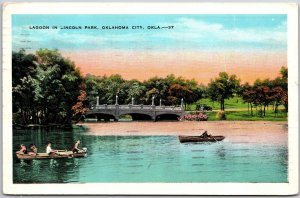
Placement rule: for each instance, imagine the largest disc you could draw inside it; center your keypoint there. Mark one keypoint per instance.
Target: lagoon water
(159, 158)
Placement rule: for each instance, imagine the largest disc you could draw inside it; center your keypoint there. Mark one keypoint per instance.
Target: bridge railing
(103, 106)
(137, 107)
(169, 108)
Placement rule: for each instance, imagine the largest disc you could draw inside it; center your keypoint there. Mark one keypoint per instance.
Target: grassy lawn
(236, 109)
(235, 102)
(232, 103)
(243, 115)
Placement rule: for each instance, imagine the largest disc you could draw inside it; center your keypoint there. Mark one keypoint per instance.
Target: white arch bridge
(137, 112)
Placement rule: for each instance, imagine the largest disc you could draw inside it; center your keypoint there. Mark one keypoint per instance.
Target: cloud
(196, 25)
(199, 31)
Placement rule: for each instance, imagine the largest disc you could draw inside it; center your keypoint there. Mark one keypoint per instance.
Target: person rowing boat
(51, 151)
(205, 135)
(75, 148)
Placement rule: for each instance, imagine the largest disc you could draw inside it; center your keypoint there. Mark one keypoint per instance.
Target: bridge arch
(138, 116)
(101, 116)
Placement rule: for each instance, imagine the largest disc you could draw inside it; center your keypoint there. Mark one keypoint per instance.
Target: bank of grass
(232, 103)
(245, 116)
(237, 109)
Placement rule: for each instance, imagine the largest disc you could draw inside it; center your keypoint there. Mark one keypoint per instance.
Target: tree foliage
(169, 90)
(49, 87)
(223, 87)
(266, 92)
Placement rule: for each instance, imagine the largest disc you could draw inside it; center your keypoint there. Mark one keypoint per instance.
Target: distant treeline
(48, 88)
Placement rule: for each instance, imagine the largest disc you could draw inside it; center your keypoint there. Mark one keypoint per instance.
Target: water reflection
(221, 152)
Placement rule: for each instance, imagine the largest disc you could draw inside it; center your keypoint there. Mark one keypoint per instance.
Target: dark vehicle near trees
(203, 107)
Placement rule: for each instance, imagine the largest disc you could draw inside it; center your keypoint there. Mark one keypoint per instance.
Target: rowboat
(184, 139)
(65, 154)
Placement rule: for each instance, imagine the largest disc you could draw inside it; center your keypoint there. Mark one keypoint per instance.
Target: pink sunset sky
(200, 65)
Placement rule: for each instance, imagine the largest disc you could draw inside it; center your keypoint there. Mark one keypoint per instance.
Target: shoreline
(235, 131)
(45, 126)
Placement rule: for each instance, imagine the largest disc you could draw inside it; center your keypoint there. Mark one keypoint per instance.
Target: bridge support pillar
(97, 102)
(153, 116)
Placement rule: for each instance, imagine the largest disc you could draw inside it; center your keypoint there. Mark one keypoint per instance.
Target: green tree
(56, 86)
(156, 87)
(45, 87)
(263, 97)
(284, 73)
(94, 88)
(23, 65)
(160, 89)
(112, 86)
(277, 95)
(133, 89)
(284, 86)
(24, 72)
(178, 92)
(248, 95)
(223, 87)
(106, 88)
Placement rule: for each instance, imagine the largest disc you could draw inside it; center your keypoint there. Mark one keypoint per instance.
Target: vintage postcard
(150, 98)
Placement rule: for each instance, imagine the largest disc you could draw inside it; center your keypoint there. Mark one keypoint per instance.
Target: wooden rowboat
(65, 154)
(184, 139)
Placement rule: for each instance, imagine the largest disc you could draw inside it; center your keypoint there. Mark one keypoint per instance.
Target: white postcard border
(154, 188)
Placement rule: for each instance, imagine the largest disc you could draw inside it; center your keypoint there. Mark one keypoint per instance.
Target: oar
(214, 139)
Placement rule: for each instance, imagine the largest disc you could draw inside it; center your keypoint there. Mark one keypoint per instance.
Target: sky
(191, 46)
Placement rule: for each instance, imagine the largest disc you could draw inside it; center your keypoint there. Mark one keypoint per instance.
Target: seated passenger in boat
(75, 148)
(23, 149)
(33, 150)
(49, 150)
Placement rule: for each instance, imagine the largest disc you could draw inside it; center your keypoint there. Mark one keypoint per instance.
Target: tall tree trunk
(248, 109)
(275, 108)
(222, 104)
(261, 111)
